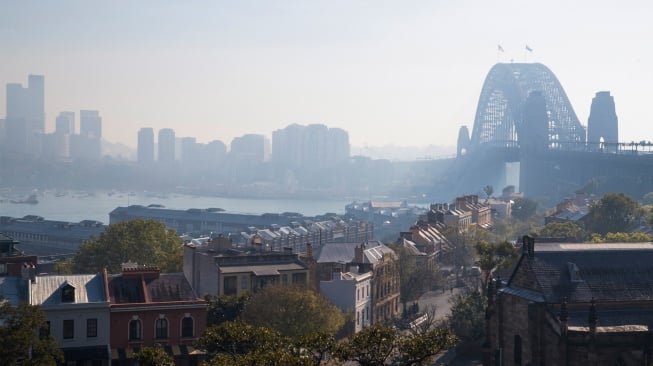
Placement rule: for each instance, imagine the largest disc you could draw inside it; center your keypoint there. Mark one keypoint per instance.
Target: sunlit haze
(388, 72)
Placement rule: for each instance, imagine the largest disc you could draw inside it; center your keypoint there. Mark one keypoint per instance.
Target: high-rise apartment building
(314, 145)
(28, 103)
(250, 148)
(25, 120)
(65, 123)
(88, 144)
(146, 146)
(166, 145)
(90, 124)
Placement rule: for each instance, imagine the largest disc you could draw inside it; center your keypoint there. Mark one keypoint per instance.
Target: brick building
(149, 308)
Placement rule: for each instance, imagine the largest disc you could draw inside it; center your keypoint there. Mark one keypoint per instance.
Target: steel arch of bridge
(498, 119)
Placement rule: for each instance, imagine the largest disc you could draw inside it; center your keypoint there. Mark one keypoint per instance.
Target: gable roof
(345, 252)
(604, 272)
(45, 291)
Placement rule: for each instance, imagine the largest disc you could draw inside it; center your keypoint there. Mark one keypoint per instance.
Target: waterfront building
(49, 237)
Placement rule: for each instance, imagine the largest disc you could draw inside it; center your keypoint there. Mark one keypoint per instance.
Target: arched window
(161, 328)
(135, 329)
(517, 350)
(187, 327)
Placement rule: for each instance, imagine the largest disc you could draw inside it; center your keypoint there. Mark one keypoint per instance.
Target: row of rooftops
(135, 285)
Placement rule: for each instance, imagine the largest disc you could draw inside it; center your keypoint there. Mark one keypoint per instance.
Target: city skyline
(388, 73)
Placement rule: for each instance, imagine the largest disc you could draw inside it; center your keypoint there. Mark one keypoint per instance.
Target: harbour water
(75, 206)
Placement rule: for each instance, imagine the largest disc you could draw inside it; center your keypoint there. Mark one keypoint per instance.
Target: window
(44, 331)
(68, 329)
(91, 327)
(135, 329)
(187, 327)
(67, 293)
(243, 283)
(162, 328)
(230, 285)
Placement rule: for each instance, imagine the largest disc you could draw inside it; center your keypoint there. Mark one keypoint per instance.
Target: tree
(224, 308)
(293, 311)
(523, 209)
(419, 348)
(379, 344)
(414, 280)
(648, 199)
(467, 318)
(494, 255)
(372, 346)
(567, 230)
(20, 342)
(488, 189)
(146, 242)
(153, 356)
(614, 212)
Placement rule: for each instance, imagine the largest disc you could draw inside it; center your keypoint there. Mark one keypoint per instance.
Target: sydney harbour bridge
(524, 116)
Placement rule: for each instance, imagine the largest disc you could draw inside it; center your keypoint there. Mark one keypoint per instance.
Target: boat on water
(31, 199)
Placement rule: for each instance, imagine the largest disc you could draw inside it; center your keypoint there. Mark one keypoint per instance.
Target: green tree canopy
(414, 280)
(19, 337)
(614, 212)
(648, 199)
(153, 356)
(293, 311)
(379, 344)
(567, 229)
(467, 318)
(488, 189)
(145, 242)
(494, 255)
(225, 308)
(523, 209)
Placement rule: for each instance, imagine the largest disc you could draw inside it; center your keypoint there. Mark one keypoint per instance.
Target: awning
(128, 353)
(86, 353)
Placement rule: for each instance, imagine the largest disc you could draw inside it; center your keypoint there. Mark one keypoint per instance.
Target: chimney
(309, 250)
(358, 253)
(528, 246)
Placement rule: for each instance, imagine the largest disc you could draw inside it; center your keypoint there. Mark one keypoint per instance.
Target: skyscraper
(146, 146)
(90, 124)
(166, 145)
(25, 120)
(28, 103)
(88, 144)
(65, 123)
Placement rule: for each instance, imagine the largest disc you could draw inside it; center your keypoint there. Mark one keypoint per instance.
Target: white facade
(77, 311)
(351, 292)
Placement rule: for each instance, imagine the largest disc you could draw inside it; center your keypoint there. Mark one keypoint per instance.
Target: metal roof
(88, 289)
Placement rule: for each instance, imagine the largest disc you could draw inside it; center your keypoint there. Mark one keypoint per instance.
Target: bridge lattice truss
(498, 118)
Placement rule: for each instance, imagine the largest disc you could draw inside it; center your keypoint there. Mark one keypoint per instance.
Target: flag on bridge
(529, 49)
(499, 48)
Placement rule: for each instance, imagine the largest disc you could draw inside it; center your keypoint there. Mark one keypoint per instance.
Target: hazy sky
(389, 72)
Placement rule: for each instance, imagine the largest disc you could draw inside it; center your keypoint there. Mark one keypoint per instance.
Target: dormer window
(67, 293)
